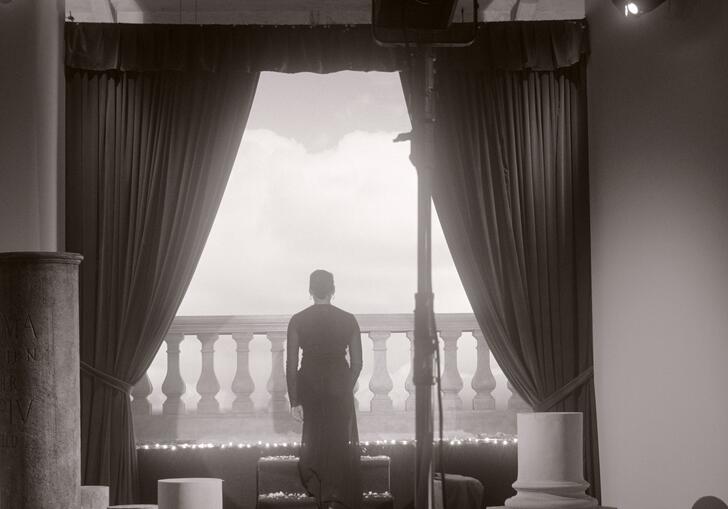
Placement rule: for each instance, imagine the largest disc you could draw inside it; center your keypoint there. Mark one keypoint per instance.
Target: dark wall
(493, 465)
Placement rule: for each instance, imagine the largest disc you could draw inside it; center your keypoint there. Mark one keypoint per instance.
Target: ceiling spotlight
(637, 7)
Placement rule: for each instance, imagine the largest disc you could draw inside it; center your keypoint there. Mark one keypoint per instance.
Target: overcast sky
(318, 183)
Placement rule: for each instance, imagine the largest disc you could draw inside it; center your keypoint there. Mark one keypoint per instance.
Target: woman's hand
(297, 413)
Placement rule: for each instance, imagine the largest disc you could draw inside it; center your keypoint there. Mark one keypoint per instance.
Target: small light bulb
(631, 8)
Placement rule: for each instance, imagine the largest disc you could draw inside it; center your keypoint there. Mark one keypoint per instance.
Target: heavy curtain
(148, 158)
(511, 190)
(537, 45)
(148, 151)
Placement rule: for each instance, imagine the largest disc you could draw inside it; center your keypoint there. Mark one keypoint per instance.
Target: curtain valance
(537, 45)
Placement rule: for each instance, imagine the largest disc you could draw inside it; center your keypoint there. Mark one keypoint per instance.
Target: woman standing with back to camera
(321, 393)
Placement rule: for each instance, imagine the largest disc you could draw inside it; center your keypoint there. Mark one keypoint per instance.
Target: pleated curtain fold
(148, 157)
(511, 191)
(154, 116)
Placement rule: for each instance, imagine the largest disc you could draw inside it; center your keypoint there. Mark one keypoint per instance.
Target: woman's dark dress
(329, 460)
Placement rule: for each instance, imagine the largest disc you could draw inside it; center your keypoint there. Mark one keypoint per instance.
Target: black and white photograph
(363, 254)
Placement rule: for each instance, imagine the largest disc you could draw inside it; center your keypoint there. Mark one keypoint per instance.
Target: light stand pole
(423, 43)
(423, 157)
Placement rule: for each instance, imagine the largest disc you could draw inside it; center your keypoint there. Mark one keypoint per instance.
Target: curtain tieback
(107, 379)
(565, 390)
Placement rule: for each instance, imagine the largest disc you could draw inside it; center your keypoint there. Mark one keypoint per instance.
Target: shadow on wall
(710, 503)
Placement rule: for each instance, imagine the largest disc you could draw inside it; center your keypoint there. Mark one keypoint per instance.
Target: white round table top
(192, 480)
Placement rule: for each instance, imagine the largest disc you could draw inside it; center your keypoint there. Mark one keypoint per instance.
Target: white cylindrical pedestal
(550, 463)
(190, 493)
(133, 506)
(94, 497)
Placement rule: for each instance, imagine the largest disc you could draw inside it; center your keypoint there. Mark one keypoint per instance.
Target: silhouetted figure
(321, 394)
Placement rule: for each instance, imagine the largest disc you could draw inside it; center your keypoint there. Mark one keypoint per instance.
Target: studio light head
(637, 7)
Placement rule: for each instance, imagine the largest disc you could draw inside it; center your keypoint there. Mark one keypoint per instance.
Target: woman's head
(321, 284)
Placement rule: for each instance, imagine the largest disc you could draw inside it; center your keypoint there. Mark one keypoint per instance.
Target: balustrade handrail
(379, 328)
(263, 324)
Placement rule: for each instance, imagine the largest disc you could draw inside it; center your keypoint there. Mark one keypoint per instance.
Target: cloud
(287, 210)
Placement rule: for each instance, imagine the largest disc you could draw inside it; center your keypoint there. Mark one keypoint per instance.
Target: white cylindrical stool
(133, 506)
(190, 493)
(94, 497)
(550, 463)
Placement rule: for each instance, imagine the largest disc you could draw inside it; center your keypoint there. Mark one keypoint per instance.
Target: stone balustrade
(379, 416)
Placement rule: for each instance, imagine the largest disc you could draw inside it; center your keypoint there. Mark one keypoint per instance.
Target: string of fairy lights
(282, 495)
(500, 439)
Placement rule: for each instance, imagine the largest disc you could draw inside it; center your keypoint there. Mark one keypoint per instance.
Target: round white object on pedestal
(189, 493)
(550, 463)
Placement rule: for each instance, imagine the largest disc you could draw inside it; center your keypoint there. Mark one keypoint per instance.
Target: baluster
(452, 382)
(173, 386)
(380, 383)
(277, 382)
(516, 402)
(243, 385)
(207, 385)
(483, 382)
(409, 385)
(140, 405)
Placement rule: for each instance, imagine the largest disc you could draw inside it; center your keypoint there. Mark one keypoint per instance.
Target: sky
(317, 183)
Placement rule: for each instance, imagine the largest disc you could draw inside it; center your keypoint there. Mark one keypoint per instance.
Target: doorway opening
(319, 183)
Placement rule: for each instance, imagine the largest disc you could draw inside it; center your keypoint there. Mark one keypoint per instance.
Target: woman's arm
(292, 364)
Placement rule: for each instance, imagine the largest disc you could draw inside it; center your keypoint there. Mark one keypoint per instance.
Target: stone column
(173, 386)
(409, 384)
(550, 463)
(483, 382)
(452, 382)
(39, 381)
(32, 146)
(207, 385)
(356, 399)
(277, 382)
(381, 382)
(140, 393)
(243, 385)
